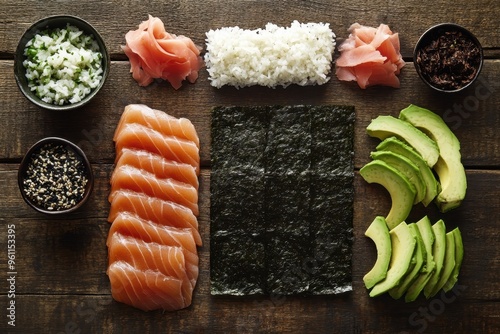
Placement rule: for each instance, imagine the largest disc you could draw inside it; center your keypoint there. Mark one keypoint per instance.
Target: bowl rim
(58, 21)
(24, 165)
(448, 26)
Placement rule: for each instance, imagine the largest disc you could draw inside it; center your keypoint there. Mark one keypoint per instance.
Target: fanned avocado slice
(379, 233)
(459, 255)
(425, 229)
(438, 252)
(449, 167)
(427, 234)
(432, 187)
(448, 266)
(403, 245)
(401, 190)
(419, 258)
(383, 127)
(407, 168)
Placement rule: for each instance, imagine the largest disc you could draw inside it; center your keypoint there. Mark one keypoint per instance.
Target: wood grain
(62, 285)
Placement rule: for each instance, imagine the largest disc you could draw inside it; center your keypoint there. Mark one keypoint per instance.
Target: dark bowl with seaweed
(55, 176)
(448, 57)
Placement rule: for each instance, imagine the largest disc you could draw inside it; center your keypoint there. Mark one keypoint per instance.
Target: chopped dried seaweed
(281, 200)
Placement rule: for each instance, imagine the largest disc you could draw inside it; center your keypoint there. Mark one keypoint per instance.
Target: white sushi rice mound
(275, 56)
(63, 65)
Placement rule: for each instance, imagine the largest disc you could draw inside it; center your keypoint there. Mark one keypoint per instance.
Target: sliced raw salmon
(137, 136)
(159, 166)
(135, 179)
(152, 242)
(147, 290)
(168, 260)
(155, 210)
(159, 121)
(130, 225)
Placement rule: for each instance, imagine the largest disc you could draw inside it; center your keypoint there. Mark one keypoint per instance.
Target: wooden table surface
(61, 284)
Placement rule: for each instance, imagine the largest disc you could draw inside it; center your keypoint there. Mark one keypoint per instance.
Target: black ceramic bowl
(30, 185)
(448, 57)
(53, 22)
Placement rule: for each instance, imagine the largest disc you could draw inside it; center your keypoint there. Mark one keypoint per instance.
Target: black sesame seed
(55, 178)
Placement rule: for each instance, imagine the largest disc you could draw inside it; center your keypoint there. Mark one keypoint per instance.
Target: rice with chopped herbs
(63, 65)
(275, 56)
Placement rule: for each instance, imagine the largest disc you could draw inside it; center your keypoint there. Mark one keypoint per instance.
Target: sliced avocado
(425, 229)
(419, 257)
(397, 146)
(448, 266)
(403, 245)
(459, 255)
(379, 233)
(383, 127)
(438, 252)
(407, 168)
(427, 234)
(449, 167)
(401, 191)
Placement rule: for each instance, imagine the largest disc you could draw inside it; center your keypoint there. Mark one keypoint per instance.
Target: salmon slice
(137, 136)
(133, 226)
(138, 180)
(146, 290)
(159, 166)
(155, 210)
(168, 260)
(158, 121)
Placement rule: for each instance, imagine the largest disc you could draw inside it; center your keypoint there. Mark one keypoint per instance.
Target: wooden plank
(99, 313)
(114, 18)
(472, 114)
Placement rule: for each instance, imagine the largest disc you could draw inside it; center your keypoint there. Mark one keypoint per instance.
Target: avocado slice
(403, 245)
(397, 146)
(449, 167)
(425, 229)
(419, 258)
(459, 255)
(379, 233)
(427, 234)
(401, 190)
(448, 266)
(407, 168)
(383, 127)
(438, 252)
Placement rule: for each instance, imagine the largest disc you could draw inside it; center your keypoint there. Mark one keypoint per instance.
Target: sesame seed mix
(55, 178)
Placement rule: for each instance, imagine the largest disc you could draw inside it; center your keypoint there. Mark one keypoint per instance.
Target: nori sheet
(281, 204)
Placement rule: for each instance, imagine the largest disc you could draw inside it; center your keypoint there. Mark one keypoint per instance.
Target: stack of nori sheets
(281, 200)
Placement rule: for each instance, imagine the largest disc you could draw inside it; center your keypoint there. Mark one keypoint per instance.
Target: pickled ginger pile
(370, 56)
(156, 54)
